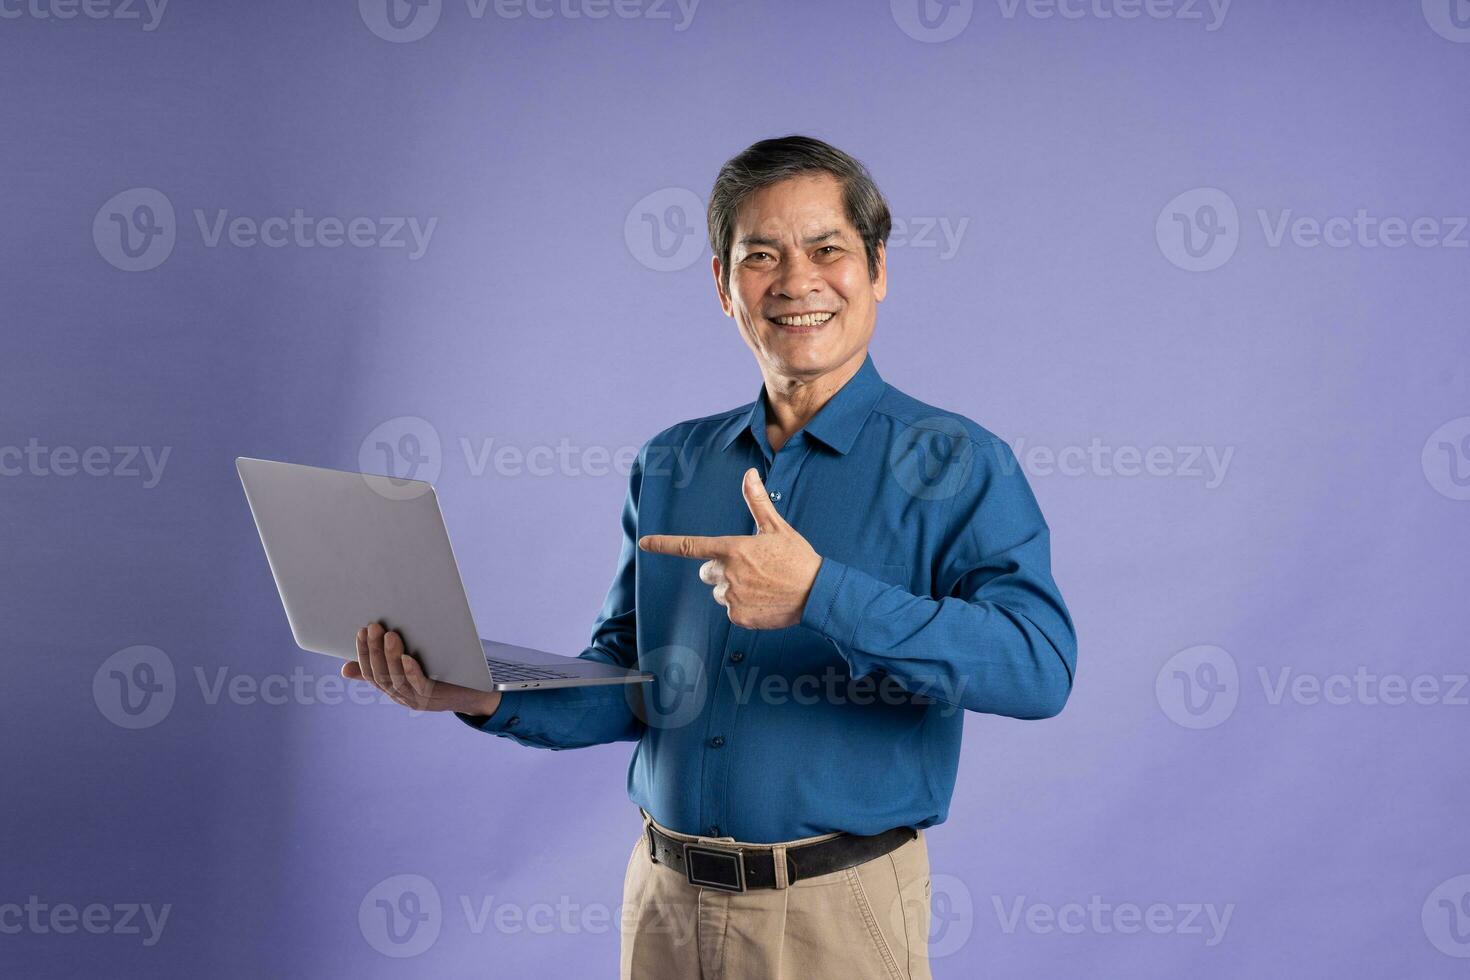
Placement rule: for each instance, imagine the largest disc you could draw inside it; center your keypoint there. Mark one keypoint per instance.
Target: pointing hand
(761, 579)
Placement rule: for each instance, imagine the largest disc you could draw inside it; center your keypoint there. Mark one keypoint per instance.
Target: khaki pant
(871, 921)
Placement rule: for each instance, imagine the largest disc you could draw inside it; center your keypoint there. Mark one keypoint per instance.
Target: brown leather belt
(736, 869)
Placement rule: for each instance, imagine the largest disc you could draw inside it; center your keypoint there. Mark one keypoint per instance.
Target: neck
(791, 402)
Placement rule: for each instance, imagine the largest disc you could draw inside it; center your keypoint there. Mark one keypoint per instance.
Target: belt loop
(778, 855)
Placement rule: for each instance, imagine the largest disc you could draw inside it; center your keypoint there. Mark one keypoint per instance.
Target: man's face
(799, 288)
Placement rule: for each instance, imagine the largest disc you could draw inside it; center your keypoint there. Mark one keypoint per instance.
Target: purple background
(1334, 541)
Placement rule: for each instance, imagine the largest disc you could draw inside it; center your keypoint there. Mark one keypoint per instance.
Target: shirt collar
(836, 424)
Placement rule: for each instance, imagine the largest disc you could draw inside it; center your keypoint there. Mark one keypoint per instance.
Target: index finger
(686, 545)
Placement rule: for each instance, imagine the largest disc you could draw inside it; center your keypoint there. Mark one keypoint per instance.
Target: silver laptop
(349, 549)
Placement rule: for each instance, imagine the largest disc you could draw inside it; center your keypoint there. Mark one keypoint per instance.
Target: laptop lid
(347, 549)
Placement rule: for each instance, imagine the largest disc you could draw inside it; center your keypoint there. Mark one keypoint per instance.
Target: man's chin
(805, 360)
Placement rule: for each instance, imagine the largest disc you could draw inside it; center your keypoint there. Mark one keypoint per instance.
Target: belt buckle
(713, 861)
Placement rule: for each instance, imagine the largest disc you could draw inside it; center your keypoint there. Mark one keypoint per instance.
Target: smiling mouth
(808, 321)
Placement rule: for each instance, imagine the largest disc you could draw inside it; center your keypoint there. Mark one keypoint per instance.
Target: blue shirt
(934, 597)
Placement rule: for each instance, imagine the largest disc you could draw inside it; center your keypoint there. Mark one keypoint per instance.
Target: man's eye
(751, 257)
(828, 250)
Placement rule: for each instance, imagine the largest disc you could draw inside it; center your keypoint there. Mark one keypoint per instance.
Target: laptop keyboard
(506, 670)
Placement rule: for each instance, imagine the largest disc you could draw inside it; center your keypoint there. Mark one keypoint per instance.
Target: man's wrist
(481, 712)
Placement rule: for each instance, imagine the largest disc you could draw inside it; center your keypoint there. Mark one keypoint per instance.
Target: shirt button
(717, 741)
(512, 720)
(736, 657)
(714, 830)
(776, 495)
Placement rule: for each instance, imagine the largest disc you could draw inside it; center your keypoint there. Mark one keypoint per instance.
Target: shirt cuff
(836, 606)
(503, 720)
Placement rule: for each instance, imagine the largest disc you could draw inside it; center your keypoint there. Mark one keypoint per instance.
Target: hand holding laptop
(382, 662)
(349, 548)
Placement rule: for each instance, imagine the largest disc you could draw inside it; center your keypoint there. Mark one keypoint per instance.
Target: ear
(880, 281)
(720, 286)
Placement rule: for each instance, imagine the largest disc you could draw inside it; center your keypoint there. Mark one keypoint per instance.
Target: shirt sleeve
(999, 639)
(575, 717)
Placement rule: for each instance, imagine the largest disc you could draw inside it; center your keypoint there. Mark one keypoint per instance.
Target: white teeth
(805, 320)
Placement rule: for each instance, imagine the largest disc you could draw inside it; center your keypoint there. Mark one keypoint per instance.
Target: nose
(799, 277)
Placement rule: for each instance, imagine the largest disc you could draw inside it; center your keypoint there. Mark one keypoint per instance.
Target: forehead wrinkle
(774, 242)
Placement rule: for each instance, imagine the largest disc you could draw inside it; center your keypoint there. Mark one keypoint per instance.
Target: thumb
(766, 517)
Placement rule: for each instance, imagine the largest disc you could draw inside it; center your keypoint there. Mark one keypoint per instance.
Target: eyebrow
(772, 243)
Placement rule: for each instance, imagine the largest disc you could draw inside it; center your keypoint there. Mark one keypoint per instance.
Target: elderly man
(843, 571)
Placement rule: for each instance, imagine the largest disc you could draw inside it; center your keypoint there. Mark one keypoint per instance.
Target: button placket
(724, 707)
(780, 478)
(740, 645)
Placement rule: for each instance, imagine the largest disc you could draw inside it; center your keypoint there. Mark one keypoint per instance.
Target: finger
(377, 662)
(687, 545)
(417, 679)
(759, 502)
(364, 661)
(712, 572)
(352, 670)
(393, 653)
